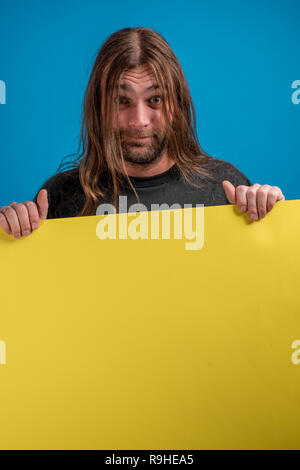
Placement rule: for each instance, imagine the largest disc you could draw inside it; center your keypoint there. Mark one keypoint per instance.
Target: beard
(143, 152)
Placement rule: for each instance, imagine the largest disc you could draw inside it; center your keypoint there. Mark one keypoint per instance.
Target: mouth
(138, 139)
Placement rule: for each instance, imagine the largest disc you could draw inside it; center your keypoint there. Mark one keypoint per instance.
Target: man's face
(141, 121)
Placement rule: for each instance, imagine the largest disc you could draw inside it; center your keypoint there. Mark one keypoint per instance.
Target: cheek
(158, 119)
(119, 121)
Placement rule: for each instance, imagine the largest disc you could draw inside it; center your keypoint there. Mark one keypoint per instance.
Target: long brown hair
(101, 146)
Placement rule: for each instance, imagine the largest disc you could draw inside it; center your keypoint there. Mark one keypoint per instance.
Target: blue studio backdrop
(241, 60)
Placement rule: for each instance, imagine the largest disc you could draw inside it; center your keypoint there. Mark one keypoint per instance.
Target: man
(139, 140)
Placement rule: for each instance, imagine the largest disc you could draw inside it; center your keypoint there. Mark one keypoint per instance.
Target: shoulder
(64, 182)
(64, 192)
(223, 170)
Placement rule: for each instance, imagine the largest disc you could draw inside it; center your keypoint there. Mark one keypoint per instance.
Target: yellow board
(145, 344)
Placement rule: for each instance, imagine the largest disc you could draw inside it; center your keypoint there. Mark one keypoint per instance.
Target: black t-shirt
(66, 197)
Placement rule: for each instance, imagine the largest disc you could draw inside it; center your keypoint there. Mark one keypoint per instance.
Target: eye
(121, 98)
(155, 97)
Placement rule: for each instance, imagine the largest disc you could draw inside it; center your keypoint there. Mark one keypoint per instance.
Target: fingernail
(26, 233)
(34, 226)
(252, 217)
(17, 235)
(243, 208)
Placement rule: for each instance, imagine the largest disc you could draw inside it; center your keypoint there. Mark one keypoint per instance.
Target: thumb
(229, 191)
(42, 203)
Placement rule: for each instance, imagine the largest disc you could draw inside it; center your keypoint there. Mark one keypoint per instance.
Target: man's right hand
(19, 219)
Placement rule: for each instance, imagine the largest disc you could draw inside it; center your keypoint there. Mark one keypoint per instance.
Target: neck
(150, 169)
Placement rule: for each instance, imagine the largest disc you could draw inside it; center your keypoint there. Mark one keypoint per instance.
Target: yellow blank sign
(145, 344)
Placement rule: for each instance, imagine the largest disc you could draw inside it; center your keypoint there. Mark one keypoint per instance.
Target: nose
(139, 117)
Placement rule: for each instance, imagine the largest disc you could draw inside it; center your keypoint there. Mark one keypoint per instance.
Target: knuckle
(252, 210)
(30, 204)
(21, 208)
(240, 190)
(275, 190)
(26, 228)
(251, 192)
(9, 211)
(262, 190)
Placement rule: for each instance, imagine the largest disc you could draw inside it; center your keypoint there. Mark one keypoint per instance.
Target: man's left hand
(257, 199)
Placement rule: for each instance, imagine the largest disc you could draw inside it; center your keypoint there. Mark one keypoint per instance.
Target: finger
(12, 220)
(251, 202)
(241, 198)
(274, 195)
(229, 190)
(33, 214)
(4, 224)
(23, 216)
(261, 200)
(42, 203)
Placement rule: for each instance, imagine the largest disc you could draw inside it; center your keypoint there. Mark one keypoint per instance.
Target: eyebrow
(126, 87)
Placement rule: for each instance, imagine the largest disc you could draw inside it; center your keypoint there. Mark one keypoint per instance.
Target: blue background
(240, 59)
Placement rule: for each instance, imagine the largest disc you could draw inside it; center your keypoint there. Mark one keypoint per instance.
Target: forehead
(138, 79)
(128, 87)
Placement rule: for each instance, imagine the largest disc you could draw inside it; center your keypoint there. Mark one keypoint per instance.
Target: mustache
(138, 135)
